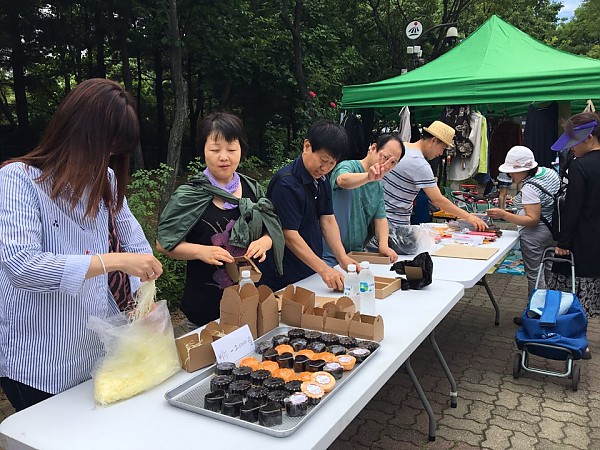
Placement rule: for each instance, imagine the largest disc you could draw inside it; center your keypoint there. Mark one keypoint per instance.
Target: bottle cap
(364, 264)
(245, 274)
(351, 267)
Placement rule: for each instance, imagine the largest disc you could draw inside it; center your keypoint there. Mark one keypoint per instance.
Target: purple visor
(580, 133)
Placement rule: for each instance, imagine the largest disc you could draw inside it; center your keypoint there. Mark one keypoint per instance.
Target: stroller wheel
(575, 377)
(517, 366)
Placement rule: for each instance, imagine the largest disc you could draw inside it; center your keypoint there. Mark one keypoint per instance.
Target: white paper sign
(234, 346)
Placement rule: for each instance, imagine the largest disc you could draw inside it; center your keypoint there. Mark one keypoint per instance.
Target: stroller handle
(545, 258)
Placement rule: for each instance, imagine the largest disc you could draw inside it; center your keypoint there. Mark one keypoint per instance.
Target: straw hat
(443, 132)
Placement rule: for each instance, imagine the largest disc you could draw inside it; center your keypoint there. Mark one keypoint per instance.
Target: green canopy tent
(498, 66)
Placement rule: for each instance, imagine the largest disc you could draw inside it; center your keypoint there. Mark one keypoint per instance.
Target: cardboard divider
(363, 326)
(373, 258)
(195, 350)
(337, 322)
(385, 286)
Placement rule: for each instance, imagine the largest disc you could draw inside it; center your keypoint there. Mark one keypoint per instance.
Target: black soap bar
(330, 339)
(295, 333)
(278, 397)
(231, 405)
(220, 382)
(270, 355)
(241, 373)
(300, 363)
(239, 387)
(280, 339)
(315, 365)
(249, 411)
(214, 400)
(274, 383)
(258, 376)
(224, 368)
(312, 336)
(285, 360)
(347, 341)
(298, 344)
(270, 415)
(258, 393)
(316, 346)
(293, 386)
(296, 404)
(337, 349)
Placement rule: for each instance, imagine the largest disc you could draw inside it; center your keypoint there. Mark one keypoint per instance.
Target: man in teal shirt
(358, 201)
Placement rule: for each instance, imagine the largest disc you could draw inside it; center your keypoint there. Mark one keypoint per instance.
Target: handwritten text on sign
(234, 346)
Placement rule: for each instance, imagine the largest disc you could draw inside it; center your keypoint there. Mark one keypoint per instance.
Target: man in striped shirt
(414, 173)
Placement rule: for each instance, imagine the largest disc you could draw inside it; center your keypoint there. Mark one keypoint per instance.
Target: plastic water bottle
(367, 289)
(245, 279)
(352, 286)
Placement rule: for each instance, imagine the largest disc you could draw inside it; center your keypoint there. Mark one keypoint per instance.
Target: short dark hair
(329, 136)
(532, 172)
(222, 124)
(426, 136)
(387, 137)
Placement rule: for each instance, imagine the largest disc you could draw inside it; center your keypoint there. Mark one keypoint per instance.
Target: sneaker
(518, 320)
(587, 354)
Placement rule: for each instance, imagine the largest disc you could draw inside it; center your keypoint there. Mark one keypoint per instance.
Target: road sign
(414, 29)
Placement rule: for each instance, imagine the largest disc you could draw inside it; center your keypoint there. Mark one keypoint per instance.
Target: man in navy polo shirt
(301, 192)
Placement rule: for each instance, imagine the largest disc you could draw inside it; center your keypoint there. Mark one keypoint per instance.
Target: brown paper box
(337, 322)
(234, 269)
(240, 308)
(363, 326)
(268, 311)
(344, 304)
(296, 301)
(203, 355)
(313, 319)
(373, 258)
(385, 286)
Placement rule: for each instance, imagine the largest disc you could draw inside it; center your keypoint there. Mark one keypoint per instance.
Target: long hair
(94, 124)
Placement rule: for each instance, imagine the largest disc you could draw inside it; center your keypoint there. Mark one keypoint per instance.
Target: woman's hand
(214, 255)
(497, 213)
(258, 248)
(477, 223)
(142, 265)
(561, 251)
(387, 251)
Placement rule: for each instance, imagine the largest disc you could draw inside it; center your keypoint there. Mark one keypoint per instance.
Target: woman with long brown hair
(59, 204)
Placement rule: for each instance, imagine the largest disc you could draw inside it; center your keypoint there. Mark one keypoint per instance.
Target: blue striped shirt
(45, 301)
(402, 184)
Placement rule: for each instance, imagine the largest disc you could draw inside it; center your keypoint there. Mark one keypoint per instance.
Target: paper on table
(234, 346)
(465, 251)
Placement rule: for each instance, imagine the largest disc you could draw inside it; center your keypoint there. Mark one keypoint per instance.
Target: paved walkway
(494, 410)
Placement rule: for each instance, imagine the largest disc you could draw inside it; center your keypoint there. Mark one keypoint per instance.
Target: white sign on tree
(414, 29)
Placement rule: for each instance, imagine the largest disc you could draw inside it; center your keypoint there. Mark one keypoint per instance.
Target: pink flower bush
(332, 104)
(312, 94)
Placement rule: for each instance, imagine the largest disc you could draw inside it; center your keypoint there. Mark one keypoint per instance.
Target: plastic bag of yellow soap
(140, 354)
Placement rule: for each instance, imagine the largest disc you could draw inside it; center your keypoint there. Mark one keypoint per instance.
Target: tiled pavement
(494, 410)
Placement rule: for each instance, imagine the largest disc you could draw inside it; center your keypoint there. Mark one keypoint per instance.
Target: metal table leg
(426, 405)
(440, 357)
(483, 282)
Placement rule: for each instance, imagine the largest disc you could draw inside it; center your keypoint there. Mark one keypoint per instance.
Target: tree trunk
(100, 63)
(295, 27)
(138, 157)
(161, 122)
(17, 60)
(180, 90)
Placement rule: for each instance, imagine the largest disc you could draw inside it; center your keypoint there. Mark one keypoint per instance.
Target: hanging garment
(483, 152)
(505, 136)
(404, 128)
(461, 167)
(354, 129)
(541, 132)
(458, 117)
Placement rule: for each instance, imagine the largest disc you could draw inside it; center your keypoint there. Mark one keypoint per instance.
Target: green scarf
(189, 202)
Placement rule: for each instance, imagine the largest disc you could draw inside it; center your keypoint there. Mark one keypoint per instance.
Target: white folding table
(70, 420)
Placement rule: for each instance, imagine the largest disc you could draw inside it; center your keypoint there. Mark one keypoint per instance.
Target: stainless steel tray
(190, 396)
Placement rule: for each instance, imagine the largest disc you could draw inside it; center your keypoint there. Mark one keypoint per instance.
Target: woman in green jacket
(217, 216)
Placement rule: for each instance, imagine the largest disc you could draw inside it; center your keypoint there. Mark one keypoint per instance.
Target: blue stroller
(554, 327)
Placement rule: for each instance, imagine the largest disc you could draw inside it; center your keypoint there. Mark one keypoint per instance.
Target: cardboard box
(385, 286)
(296, 301)
(268, 311)
(343, 304)
(373, 258)
(313, 319)
(195, 350)
(240, 308)
(337, 322)
(363, 326)
(234, 269)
